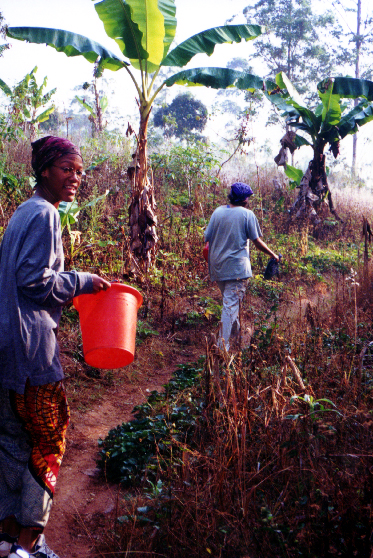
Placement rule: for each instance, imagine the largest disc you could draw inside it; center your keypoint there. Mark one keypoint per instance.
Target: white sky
(79, 16)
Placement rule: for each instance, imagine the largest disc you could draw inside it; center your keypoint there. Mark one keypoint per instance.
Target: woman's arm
(39, 266)
(262, 246)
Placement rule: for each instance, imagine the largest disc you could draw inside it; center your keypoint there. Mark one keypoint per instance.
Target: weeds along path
(82, 497)
(99, 404)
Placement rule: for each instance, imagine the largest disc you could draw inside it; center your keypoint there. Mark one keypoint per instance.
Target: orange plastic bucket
(108, 324)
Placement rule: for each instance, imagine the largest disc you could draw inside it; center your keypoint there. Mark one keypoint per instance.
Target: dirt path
(81, 493)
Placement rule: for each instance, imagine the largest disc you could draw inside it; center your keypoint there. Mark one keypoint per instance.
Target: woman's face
(61, 180)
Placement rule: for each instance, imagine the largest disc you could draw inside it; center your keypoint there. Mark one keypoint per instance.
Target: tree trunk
(142, 218)
(314, 194)
(357, 75)
(98, 125)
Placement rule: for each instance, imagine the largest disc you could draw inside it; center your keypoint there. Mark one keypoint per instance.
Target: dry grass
(282, 457)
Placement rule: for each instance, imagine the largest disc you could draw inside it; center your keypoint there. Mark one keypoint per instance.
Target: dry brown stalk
(296, 372)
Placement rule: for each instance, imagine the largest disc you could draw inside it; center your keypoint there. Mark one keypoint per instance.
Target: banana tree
(144, 32)
(96, 108)
(328, 124)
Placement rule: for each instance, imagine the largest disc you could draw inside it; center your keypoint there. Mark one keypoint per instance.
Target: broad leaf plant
(329, 123)
(144, 30)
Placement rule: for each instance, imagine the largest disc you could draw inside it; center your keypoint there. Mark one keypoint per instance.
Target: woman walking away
(228, 232)
(34, 413)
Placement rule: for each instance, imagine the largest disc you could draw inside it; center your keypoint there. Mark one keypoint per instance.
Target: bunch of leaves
(327, 260)
(129, 451)
(11, 187)
(186, 166)
(69, 211)
(143, 331)
(182, 118)
(26, 101)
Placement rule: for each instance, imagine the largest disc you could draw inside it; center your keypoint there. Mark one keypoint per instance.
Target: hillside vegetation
(265, 451)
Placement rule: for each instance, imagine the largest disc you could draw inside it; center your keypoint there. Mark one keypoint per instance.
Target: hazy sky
(80, 16)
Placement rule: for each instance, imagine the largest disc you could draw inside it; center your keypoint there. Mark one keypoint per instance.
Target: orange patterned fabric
(44, 413)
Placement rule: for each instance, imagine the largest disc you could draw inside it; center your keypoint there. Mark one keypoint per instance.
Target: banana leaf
(5, 88)
(357, 117)
(44, 116)
(88, 107)
(168, 10)
(294, 174)
(284, 83)
(71, 44)
(346, 87)
(130, 24)
(205, 42)
(300, 140)
(332, 111)
(69, 211)
(217, 78)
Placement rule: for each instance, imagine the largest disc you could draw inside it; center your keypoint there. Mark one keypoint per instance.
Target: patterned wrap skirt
(32, 443)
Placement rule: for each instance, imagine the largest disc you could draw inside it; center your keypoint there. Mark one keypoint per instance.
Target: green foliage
(294, 174)
(3, 47)
(332, 120)
(4, 87)
(327, 260)
(96, 106)
(143, 331)
(144, 33)
(69, 211)
(71, 44)
(185, 167)
(128, 452)
(315, 406)
(211, 309)
(303, 42)
(182, 118)
(26, 100)
(11, 187)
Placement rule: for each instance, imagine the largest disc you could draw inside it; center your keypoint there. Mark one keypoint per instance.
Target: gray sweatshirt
(33, 289)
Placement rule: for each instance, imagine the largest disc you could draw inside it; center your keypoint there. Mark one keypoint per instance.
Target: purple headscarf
(48, 149)
(239, 192)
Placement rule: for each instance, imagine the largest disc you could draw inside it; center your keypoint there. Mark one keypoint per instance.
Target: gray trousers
(233, 293)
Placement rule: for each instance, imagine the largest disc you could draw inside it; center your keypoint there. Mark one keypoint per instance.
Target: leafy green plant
(315, 406)
(190, 165)
(329, 123)
(26, 100)
(128, 452)
(211, 308)
(96, 109)
(69, 211)
(143, 331)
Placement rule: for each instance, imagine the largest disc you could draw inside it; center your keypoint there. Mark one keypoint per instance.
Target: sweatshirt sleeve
(252, 226)
(39, 265)
(207, 233)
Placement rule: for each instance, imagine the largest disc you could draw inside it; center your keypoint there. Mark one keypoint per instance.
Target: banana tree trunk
(142, 218)
(314, 193)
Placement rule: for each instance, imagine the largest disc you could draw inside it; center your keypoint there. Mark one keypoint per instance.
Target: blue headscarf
(240, 192)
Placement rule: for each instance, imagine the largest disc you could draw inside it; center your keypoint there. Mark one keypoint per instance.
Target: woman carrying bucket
(33, 409)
